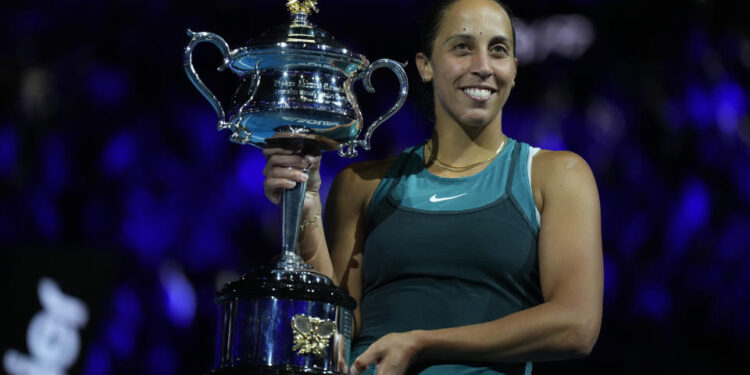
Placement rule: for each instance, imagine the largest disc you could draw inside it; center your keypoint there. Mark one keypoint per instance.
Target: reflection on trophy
(295, 93)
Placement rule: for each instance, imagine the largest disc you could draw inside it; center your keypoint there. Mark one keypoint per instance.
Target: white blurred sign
(568, 36)
(52, 336)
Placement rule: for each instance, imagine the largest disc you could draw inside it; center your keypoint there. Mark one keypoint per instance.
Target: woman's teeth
(478, 93)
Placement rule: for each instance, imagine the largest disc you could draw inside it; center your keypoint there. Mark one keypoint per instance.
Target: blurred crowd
(108, 153)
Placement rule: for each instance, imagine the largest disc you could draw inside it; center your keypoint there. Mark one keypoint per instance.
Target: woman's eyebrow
(495, 39)
(500, 39)
(458, 36)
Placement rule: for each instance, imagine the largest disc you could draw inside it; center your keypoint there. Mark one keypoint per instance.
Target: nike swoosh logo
(435, 199)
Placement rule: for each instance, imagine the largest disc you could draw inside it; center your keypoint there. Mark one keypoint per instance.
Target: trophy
(295, 92)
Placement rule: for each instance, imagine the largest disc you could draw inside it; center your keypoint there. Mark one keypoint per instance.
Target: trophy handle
(349, 149)
(198, 38)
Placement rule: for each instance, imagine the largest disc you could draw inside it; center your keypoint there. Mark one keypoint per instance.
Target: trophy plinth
(295, 93)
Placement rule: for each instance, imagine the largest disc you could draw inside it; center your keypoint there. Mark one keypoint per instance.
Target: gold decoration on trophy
(302, 6)
(311, 335)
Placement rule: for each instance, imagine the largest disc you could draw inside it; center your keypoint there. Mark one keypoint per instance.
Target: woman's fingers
(392, 354)
(288, 161)
(285, 169)
(361, 363)
(282, 179)
(267, 152)
(290, 173)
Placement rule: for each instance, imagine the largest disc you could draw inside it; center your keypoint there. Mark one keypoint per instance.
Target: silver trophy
(295, 93)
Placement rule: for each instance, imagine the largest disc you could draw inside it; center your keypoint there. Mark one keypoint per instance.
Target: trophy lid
(301, 35)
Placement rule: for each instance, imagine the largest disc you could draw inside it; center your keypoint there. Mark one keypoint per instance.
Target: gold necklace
(465, 167)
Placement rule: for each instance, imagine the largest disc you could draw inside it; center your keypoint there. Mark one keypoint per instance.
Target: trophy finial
(302, 6)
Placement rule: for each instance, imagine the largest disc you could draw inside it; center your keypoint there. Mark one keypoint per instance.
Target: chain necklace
(455, 168)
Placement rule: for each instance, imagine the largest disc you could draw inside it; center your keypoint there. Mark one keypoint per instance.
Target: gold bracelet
(309, 222)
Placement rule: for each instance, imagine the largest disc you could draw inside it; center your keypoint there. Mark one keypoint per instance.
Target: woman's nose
(481, 65)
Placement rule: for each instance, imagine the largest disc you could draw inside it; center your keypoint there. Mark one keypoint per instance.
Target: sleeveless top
(447, 252)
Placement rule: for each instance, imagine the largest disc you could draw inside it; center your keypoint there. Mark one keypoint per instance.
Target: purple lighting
(692, 214)
(30, 21)
(249, 174)
(121, 340)
(180, 299)
(149, 227)
(733, 244)
(45, 214)
(8, 150)
(207, 244)
(653, 301)
(741, 178)
(162, 360)
(108, 86)
(611, 280)
(119, 154)
(123, 328)
(55, 164)
(699, 107)
(552, 141)
(731, 106)
(127, 307)
(209, 145)
(97, 361)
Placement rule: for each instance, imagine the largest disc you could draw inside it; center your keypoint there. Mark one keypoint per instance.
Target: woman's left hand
(392, 354)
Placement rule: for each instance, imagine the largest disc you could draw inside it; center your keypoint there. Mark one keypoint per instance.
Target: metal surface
(262, 334)
(256, 330)
(295, 79)
(291, 211)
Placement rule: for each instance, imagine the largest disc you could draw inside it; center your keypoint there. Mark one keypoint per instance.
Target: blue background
(114, 181)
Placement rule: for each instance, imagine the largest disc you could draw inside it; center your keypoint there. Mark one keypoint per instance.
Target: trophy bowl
(295, 92)
(295, 80)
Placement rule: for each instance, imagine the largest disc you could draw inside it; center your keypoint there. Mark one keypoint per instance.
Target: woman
(471, 253)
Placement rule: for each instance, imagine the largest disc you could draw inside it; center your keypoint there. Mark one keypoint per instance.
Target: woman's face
(472, 66)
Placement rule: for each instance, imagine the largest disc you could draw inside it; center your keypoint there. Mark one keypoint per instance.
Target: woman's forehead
(475, 17)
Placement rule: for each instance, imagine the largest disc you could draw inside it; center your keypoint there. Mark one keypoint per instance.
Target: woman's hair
(431, 24)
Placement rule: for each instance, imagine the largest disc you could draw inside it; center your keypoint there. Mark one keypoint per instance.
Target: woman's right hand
(284, 170)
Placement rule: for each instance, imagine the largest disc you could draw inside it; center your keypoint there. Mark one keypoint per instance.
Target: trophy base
(269, 370)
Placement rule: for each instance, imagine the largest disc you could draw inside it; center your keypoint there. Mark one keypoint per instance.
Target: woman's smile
(479, 94)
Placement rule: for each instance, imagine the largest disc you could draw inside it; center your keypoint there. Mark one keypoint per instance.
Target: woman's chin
(475, 121)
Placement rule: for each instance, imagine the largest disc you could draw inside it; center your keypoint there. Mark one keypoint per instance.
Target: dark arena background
(122, 209)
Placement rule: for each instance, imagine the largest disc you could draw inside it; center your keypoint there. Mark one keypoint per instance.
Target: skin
(472, 50)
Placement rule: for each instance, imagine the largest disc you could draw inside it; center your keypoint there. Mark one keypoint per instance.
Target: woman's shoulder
(358, 181)
(559, 170)
(368, 170)
(549, 161)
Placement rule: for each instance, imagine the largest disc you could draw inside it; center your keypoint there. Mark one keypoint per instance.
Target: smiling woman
(471, 65)
(472, 252)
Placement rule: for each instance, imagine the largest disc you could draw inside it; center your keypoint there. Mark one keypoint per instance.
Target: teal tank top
(447, 252)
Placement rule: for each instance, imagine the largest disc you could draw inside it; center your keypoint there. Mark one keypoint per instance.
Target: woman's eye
(500, 49)
(461, 47)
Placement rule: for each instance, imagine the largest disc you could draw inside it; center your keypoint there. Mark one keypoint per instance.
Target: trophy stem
(292, 201)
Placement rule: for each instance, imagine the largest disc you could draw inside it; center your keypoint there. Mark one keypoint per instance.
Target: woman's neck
(459, 145)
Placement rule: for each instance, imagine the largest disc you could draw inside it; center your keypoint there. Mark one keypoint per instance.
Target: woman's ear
(424, 66)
